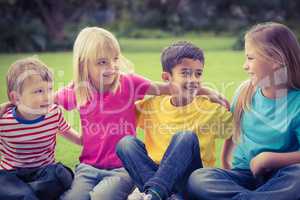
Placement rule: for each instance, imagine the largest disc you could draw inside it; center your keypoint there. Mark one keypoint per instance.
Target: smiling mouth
(191, 87)
(45, 106)
(108, 75)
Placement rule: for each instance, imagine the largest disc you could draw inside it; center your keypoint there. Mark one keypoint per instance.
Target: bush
(22, 34)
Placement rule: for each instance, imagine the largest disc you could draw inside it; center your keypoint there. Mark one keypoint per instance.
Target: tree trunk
(52, 13)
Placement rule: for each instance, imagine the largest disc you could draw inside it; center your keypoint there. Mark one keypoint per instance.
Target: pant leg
(283, 185)
(86, 178)
(133, 154)
(50, 181)
(180, 160)
(115, 185)
(220, 184)
(14, 188)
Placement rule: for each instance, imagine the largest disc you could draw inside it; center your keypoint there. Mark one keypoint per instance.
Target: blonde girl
(265, 163)
(105, 99)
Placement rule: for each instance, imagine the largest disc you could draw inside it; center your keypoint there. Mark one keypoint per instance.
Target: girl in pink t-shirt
(105, 99)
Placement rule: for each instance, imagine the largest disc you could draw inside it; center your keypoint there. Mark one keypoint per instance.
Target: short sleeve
(296, 126)
(224, 118)
(63, 126)
(66, 97)
(140, 107)
(141, 85)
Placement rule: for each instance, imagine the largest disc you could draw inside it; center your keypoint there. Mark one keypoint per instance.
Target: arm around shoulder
(73, 136)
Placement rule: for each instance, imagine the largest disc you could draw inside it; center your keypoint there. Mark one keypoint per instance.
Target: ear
(166, 76)
(14, 97)
(276, 66)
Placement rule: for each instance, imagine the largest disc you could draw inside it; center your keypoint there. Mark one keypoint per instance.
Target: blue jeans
(181, 158)
(46, 183)
(217, 184)
(93, 183)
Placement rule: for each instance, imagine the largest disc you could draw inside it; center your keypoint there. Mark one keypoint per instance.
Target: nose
(246, 66)
(112, 66)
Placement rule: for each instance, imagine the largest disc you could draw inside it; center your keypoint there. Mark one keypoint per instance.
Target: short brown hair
(173, 55)
(23, 69)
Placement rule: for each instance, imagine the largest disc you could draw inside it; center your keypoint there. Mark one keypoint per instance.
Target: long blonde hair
(91, 43)
(275, 42)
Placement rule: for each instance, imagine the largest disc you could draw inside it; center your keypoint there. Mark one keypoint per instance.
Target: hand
(4, 107)
(214, 96)
(220, 99)
(262, 163)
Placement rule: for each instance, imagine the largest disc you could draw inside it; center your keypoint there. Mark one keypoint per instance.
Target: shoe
(175, 197)
(147, 197)
(136, 195)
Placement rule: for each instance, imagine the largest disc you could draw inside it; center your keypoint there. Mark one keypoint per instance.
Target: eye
(185, 73)
(198, 74)
(250, 58)
(38, 91)
(102, 62)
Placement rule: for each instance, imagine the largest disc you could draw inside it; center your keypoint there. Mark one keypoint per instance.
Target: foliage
(43, 25)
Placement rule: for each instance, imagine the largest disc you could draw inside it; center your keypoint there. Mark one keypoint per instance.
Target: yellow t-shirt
(160, 120)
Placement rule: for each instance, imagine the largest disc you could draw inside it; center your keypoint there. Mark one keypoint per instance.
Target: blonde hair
(23, 69)
(277, 43)
(89, 44)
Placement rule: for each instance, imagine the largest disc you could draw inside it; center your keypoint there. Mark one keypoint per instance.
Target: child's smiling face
(186, 77)
(35, 98)
(104, 72)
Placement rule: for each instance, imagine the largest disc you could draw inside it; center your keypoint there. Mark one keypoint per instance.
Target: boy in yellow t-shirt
(175, 127)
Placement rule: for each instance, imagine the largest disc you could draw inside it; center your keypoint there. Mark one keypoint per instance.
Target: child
(267, 117)
(105, 99)
(28, 136)
(173, 125)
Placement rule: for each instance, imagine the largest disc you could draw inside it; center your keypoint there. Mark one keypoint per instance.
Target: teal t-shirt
(271, 125)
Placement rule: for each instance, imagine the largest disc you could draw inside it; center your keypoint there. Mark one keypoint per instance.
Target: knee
(65, 175)
(198, 180)
(291, 170)
(73, 195)
(186, 137)
(125, 145)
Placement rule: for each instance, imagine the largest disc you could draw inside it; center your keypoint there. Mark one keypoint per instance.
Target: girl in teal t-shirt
(266, 111)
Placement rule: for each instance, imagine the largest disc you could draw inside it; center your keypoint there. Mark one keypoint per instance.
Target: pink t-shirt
(106, 119)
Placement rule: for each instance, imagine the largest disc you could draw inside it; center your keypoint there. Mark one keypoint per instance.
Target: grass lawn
(223, 71)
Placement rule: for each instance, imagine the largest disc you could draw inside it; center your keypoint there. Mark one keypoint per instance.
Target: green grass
(223, 71)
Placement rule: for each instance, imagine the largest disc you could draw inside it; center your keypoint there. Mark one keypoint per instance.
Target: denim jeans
(46, 183)
(181, 158)
(220, 184)
(99, 184)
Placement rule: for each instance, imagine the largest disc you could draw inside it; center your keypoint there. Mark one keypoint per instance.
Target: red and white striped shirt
(24, 143)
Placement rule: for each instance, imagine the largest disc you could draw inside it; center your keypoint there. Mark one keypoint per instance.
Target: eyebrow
(188, 69)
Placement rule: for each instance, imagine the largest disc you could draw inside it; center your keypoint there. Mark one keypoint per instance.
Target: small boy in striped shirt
(28, 135)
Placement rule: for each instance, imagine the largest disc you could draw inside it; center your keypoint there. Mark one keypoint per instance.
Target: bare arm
(268, 161)
(226, 153)
(157, 88)
(73, 136)
(164, 89)
(214, 96)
